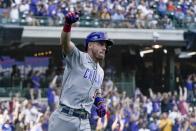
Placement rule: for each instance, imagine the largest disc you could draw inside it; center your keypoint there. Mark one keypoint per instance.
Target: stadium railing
(10, 87)
(11, 91)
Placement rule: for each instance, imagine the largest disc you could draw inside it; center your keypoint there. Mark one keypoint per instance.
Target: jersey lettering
(93, 76)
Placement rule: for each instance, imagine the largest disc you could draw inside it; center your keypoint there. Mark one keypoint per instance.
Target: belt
(81, 113)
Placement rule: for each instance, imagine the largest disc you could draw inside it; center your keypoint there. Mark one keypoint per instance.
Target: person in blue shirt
(189, 86)
(36, 79)
(51, 94)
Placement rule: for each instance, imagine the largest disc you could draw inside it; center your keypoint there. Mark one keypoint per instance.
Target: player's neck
(92, 57)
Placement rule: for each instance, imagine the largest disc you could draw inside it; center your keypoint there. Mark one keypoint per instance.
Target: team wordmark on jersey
(93, 76)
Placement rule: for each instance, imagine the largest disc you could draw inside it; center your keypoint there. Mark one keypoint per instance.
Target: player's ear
(90, 45)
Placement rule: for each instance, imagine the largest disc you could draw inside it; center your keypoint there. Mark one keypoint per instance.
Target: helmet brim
(108, 42)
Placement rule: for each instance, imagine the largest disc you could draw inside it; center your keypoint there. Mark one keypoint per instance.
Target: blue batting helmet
(97, 37)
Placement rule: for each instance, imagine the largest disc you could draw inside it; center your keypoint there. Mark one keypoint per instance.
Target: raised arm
(65, 39)
(115, 124)
(185, 93)
(180, 93)
(151, 93)
(53, 82)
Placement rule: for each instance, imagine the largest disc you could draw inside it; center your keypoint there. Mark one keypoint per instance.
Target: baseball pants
(60, 121)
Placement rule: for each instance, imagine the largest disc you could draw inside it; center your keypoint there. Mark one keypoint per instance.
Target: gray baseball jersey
(82, 78)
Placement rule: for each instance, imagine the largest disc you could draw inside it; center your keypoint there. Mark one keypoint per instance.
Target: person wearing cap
(82, 80)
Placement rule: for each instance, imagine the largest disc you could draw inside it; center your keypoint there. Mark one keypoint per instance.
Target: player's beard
(99, 56)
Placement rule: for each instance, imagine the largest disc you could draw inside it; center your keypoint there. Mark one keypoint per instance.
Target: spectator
(183, 105)
(106, 17)
(14, 13)
(194, 83)
(118, 16)
(118, 123)
(5, 3)
(153, 124)
(189, 86)
(38, 125)
(23, 8)
(144, 126)
(51, 94)
(165, 123)
(177, 125)
(140, 19)
(171, 8)
(36, 91)
(102, 123)
(15, 76)
(165, 103)
(162, 8)
(175, 114)
(6, 126)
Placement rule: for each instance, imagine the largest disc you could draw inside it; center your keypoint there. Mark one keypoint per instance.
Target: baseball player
(82, 80)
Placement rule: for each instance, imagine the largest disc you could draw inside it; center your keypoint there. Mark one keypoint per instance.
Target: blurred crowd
(150, 14)
(168, 111)
(23, 115)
